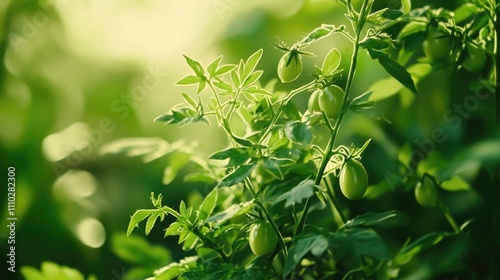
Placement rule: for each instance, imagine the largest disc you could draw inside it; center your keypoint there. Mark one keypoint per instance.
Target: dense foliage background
(77, 75)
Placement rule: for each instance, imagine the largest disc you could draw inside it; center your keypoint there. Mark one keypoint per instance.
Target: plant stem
(449, 217)
(331, 141)
(334, 201)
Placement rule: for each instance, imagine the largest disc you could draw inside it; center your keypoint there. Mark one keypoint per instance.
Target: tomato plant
(353, 179)
(330, 101)
(426, 193)
(290, 163)
(262, 239)
(289, 67)
(437, 46)
(475, 60)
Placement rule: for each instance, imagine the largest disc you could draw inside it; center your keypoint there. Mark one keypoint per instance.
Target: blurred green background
(77, 75)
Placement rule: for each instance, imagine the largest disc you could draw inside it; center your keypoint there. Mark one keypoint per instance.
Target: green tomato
(330, 101)
(475, 60)
(289, 73)
(437, 49)
(353, 179)
(262, 238)
(313, 104)
(426, 193)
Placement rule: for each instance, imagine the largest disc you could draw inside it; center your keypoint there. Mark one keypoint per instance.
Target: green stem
(334, 201)
(335, 129)
(284, 101)
(449, 217)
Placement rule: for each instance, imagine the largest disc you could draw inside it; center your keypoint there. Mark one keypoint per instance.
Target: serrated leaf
(331, 62)
(456, 183)
(188, 80)
(370, 219)
(303, 190)
(236, 176)
(138, 217)
(396, 70)
(150, 223)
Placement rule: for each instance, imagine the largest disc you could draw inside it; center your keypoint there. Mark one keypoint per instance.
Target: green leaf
(331, 62)
(275, 166)
(392, 14)
(298, 132)
(303, 244)
(361, 99)
(190, 101)
(237, 175)
(149, 148)
(137, 250)
(456, 183)
(176, 162)
(138, 216)
(395, 69)
(423, 243)
(181, 116)
(303, 190)
(375, 43)
(212, 68)
(50, 270)
(405, 154)
(384, 88)
(188, 80)
(236, 156)
(252, 78)
(369, 219)
(323, 31)
(465, 12)
(208, 205)
(174, 270)
(224, 69)
(242, 141)
(232, 211)
(251, 63)
(412, 28)
(150, 223)
(366, 242)
(195, 65)
(377, 17)
(236, 80)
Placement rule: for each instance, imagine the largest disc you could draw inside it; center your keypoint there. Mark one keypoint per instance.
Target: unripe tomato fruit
(289, 73)
(426, 193)
(313, 104)
(262, 238)
(475, 60)
(353, 179)
(437, 49)
(330, 101)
